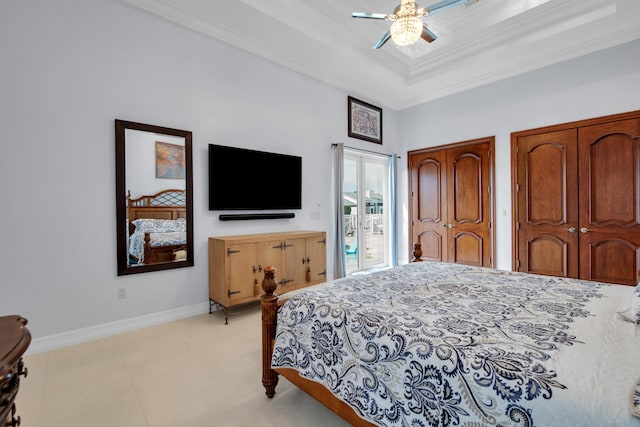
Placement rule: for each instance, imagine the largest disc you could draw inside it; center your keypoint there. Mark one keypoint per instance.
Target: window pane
(374, 235)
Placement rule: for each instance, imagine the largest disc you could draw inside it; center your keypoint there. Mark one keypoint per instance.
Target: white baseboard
(78, 336)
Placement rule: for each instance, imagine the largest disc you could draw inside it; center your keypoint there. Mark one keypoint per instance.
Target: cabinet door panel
(610, 201)
(316, 249)
(242, 277)
(547, 254)
(613, 260)
(295, 262)
(467, 248)
(270, 254)
(433, 248)
(547, 199)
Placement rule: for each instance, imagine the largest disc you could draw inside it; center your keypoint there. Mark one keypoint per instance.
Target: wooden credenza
(236, 263)
(14, 340)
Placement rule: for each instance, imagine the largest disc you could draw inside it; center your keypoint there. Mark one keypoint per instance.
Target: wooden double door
(577, 199)
(451, 202)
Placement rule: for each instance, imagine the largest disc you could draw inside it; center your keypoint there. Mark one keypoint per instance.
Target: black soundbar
(244, 217)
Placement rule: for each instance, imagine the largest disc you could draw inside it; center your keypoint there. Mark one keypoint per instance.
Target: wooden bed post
(147, 248)
(269, 311)
(417, 252)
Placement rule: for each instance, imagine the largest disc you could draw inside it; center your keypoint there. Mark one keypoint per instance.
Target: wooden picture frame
(365, 120)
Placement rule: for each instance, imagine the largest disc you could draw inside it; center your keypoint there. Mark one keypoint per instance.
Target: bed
(437, 344)
(157, 227)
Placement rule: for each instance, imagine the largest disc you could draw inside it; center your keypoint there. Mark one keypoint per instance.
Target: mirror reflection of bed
(157, 227)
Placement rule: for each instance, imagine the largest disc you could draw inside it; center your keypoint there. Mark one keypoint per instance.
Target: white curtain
(393, 212)
(340, 261)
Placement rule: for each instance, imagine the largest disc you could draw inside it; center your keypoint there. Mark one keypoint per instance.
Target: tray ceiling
(485, 41)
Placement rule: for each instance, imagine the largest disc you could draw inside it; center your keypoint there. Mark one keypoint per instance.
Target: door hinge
(489, 189)
(517, 263)
(324, 273)
(231, 251)
(324, 241)
(230, 292)
(517, 187)
(517, 226)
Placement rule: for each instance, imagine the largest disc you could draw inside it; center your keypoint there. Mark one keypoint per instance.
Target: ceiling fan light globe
(406, 30)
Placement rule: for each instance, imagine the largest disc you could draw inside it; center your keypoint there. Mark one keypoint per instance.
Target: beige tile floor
(194, 372)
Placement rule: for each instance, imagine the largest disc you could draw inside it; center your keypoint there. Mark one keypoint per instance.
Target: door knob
(450, 225)
(586, 230)
(570, 229)
(444, 225)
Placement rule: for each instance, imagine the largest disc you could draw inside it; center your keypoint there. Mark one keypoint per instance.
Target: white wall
(603, 83)
(69, 68)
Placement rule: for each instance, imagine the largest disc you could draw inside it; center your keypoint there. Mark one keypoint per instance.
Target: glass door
(366, 213)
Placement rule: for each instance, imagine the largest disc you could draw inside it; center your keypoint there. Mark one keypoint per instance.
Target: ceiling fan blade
(444, 5)
(369, 15)
(383, 40)
(427, 35)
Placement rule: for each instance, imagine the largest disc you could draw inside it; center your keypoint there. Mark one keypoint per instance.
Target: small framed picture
(365, 120)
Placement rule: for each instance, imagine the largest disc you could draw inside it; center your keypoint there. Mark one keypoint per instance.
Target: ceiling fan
(407, 26)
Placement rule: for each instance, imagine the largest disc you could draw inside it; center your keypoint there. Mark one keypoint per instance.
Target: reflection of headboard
(167, 204)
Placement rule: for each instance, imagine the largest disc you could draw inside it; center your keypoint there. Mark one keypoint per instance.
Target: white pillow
(180, 255)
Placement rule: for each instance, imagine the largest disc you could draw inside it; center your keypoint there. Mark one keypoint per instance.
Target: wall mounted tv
(242, 179)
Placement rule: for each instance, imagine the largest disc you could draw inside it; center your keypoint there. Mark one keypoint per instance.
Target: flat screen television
(243, 179)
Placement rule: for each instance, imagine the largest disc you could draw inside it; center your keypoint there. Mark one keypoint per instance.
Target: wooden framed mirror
(154, 198)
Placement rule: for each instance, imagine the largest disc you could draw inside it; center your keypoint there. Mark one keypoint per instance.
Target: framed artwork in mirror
(154, 214)
(365, 120)
(169, 160)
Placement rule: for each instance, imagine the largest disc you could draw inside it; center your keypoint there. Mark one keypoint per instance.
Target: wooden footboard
(270, 305)
(156, 254)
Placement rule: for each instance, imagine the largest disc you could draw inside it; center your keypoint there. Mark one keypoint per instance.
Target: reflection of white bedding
(136, 241)
(446, 344)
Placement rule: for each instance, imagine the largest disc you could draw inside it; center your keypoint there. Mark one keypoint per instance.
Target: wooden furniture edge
(324, 396)
(14, 341)
(270, 305)
(269, 302)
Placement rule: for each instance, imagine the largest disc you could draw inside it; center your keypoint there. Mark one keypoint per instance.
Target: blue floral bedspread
(435, 344)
